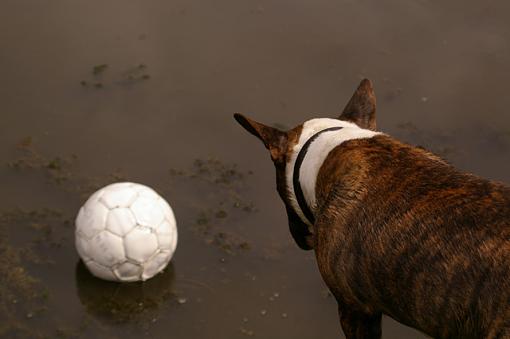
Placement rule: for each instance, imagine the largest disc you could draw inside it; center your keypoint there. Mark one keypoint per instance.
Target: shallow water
(160, 113)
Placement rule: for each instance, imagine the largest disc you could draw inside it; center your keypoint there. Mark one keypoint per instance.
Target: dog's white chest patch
(315, 155)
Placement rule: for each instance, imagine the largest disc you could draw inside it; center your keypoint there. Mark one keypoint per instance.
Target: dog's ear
(361, 108)
(274, 139)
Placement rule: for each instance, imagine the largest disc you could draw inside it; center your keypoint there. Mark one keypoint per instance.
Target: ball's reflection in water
(122, 302)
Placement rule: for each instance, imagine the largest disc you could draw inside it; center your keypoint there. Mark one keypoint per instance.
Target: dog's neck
(318, 137)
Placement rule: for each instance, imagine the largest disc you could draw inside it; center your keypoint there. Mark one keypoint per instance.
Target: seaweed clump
(23, 296)
(220, 188)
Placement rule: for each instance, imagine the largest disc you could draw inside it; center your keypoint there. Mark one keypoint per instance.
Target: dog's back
(396, 230)
(402, 232)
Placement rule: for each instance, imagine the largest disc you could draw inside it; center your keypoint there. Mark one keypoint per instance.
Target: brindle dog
(396, 230)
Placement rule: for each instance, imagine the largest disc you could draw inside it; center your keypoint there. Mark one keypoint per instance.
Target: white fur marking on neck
(316, 154)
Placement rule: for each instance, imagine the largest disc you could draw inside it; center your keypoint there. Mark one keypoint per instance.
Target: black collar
(298, 191)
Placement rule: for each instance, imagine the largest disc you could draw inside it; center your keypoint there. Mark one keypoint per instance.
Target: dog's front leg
(357, 325)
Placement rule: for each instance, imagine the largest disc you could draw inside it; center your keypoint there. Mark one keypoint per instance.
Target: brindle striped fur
(401, 232)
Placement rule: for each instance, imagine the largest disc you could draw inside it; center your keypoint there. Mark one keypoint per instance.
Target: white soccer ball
(126, 232)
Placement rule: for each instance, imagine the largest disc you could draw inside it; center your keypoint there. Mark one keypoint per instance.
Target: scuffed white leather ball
(126, 232)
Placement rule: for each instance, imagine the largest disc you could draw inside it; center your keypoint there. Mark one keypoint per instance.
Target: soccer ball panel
(82, 246)
(164, 228)
(167, 211)
(165, 241)
(155, 265)
(118, 197)
(174, 241)
(120, 221)
(140, 244)
(100, 271)
(147, 192)
(107, 249)
(91, 219)
(94, 198)
(147, 212)
(128, 271)
(167, 236)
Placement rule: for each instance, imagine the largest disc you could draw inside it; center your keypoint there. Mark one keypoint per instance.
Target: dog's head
(360, 110)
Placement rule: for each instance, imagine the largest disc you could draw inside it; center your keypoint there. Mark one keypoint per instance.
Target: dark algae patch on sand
(25, 238)
(126, 76)
(220, 187)
(57, 169)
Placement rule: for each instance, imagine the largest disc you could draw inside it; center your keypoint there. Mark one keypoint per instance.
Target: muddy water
(159, 113)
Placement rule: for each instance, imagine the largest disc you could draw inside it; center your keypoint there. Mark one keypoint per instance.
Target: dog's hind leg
(357, 325)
